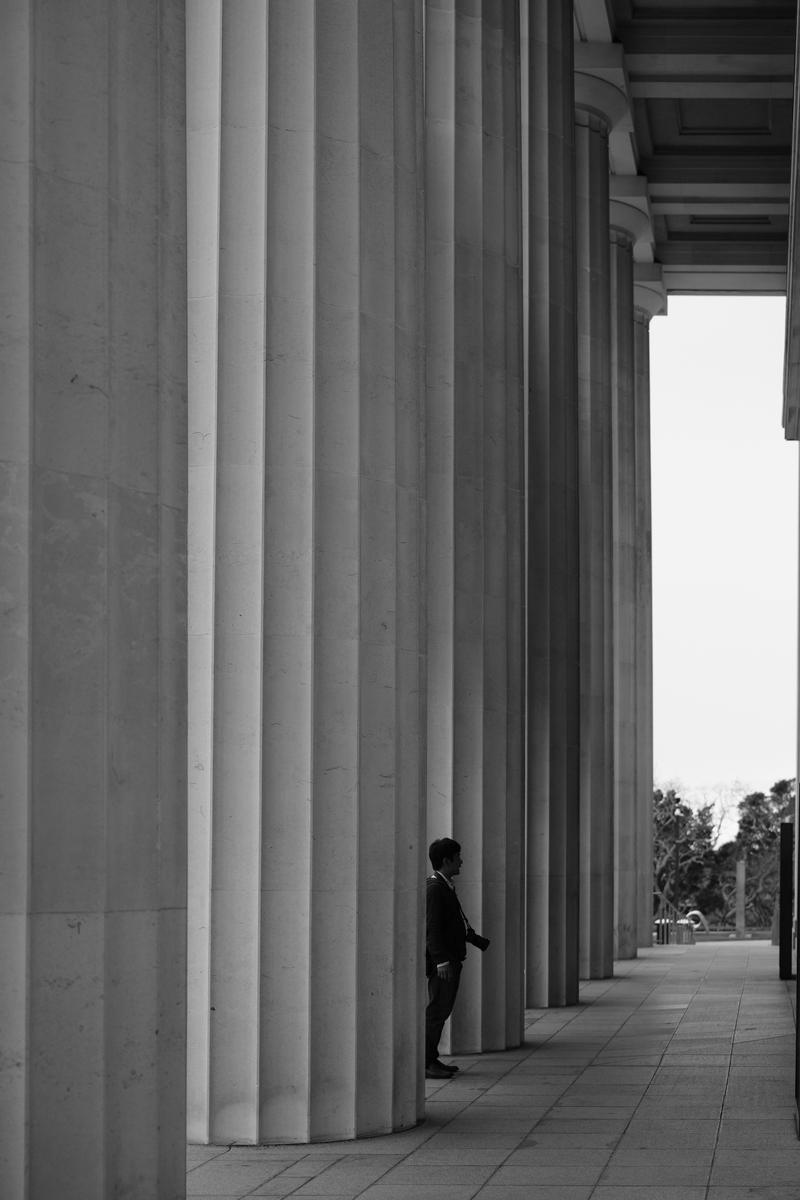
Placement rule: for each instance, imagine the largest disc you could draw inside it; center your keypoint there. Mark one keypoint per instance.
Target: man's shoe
(437, 1070)
(451, 1067)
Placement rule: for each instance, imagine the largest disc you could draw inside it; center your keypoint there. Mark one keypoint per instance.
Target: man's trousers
(441, 998)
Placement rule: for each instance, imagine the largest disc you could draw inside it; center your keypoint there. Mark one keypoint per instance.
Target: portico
(325, 454)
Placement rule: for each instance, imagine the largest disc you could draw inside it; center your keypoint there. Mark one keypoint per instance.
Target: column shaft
(307, 656)
(553, 813)
(626, 810)
(594, 388)
(644, 631)
(474, 467)
(92, 740)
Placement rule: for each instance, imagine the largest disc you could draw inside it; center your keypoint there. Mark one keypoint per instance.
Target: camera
(475, 939)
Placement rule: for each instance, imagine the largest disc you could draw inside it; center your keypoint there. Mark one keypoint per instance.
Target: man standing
(445, 950)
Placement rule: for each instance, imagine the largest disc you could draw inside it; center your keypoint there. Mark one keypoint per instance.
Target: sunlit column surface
(553, 619)
(474, 512)
(650, 299)
(92, 731)
(599, 105)
(307, 661)
(624, 582)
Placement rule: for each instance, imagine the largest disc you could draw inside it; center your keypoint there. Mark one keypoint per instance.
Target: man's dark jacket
(445, 931)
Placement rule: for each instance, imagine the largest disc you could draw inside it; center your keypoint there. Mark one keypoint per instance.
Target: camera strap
(460, 909)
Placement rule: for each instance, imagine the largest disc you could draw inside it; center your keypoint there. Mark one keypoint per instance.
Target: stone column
(92, 731)
(599, 107)
(307, 658)
(624, 579)
(474, 513)
(553, 863)
(649, 298)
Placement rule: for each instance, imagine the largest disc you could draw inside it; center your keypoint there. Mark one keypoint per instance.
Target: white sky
(725, 548)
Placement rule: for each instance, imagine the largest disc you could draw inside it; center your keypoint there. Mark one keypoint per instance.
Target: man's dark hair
(441, 849)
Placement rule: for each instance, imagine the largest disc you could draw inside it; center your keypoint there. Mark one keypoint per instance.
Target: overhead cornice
(709, 84)
(791, 356)
(593, 21)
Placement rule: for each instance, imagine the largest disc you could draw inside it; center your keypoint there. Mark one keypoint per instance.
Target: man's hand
(444, 970)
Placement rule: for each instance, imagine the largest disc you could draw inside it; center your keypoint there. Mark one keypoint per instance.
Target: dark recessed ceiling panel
(711, 85)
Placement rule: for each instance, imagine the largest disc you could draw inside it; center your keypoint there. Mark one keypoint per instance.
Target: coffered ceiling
(710, 85)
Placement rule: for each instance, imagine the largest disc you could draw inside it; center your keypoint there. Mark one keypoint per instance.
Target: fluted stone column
(474, 513)
(598, 107)
(92, 720)
(649, 298)
(307, 658)
(553, 864)
(624, 554)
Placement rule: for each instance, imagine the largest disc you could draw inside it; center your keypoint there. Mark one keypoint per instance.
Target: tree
(683, 846)
(691, 873)
(757, 842)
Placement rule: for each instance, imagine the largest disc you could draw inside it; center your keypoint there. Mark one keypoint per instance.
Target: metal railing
(669, 927)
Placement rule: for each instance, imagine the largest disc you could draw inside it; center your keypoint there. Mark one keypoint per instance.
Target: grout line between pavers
(727, 1080)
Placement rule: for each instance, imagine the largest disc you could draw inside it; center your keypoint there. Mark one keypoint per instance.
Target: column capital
(649, 292)
(601, 84)
(601, 99)
(604, 63)
(630, 214)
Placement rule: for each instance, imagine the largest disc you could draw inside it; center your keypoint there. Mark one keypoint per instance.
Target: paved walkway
(672, 1081)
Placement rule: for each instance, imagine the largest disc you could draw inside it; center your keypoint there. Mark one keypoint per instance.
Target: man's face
(451, 866)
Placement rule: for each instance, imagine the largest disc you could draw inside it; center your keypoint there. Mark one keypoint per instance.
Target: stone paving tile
(349, 1176)
(495, 1141)
(750, 1135)
(754, 1167)
(762, 1066)
(490, 1101)
(681, 1058)
(758, 1094)
(695, 1090)
(548, 1156)
(609, 1076)
(777, 1192)
(280, 1187)
(566, 1173)
(647, 1192)
(197, 1155)
(433, 1153)
(517, 1114)
(672, 1174)
(509, 1191)
(300, 1160)
(656, 1155)
(580, 1094)
(591, 1112)
(437, 1108)
(231, 1178)
(569, 1141)
(614, 1127)
(628, 1060)
(679, 1108)
(435, 1175)
(400, 1191)
(546, 1069)
(754, 1113)
(657, 1129)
